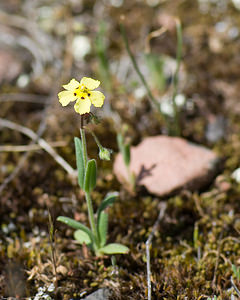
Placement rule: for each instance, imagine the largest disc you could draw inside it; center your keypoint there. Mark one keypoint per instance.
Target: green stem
(87, 194)
(96, 140)
(178, 56)
(131, 177)
(176, 74)
(150, 95)
(84, 147)
(91, 218)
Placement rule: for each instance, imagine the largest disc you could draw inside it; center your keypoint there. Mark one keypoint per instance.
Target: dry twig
(28, 98)
(235, 287)
(42, 143)
(148, 244)
(153, 34)
(31, 147)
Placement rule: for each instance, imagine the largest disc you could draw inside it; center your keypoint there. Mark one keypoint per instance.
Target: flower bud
(104, 153)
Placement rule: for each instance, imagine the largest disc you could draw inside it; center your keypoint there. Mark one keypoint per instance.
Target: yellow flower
(82, 92)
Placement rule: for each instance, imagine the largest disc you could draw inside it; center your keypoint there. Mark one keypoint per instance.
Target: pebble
(101, 294)
(10, 66)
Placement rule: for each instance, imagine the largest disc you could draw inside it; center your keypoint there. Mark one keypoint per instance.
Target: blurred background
(46, 43)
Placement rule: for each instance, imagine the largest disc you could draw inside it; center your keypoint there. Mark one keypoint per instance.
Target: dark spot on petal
(89, 94)
(82, 98)
(75, 94)
(77, 87)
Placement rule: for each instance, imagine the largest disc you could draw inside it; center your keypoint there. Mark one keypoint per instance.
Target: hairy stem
(87, 194)
(84, 147)
(91, 218)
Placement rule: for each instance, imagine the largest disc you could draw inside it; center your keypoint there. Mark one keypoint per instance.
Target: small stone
(62, 270)
(51, 288)
(216, 129)
(236, 175)
(236, 3)
(10, 66)
(81, 47)
(101, 294)
(166, 164)
(222, 184)
(23, 80)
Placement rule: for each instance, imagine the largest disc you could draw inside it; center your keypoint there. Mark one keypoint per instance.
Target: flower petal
(90, 83)
(97, 98)
(65, 97)
(82, 106)
(72, 85)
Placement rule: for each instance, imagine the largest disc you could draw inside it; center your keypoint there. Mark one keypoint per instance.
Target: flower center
(82, 92)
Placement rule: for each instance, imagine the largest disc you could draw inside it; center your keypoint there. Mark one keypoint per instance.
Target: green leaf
(114, 249)
(76, 225)
(103, 227)
(108, 200)
(80, 161)
(120, 142)
(234, 269)
(102, 217)
(155, 64)
(82, 237)
(126, 154)
(90, 176)
(124, 148)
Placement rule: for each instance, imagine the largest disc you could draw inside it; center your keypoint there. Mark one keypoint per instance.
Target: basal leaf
(114, 249)
(76, 225)
(82, 237)
(103, 227)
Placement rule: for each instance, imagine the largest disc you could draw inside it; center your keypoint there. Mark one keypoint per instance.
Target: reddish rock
(166, 164)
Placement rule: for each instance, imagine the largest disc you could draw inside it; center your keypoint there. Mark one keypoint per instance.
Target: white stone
(153, 2)
(51, 287)
(140, 92)
(233, 32)
(23, 80)
(236, 175)
(166, 107)
(116, 3)
(221, 27)
(236, 3)
(81, 47)
(180, 100)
